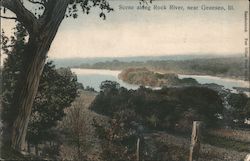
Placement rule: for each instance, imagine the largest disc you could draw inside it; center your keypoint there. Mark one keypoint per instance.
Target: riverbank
(226, 67)
(230, 77)
(143, 76)
(94, 77)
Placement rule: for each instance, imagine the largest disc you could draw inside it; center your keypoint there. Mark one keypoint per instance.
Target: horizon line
(170, 55)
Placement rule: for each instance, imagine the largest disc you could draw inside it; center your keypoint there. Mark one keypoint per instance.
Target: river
(94, 77)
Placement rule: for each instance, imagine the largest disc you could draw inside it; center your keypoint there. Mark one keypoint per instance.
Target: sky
(152, 33)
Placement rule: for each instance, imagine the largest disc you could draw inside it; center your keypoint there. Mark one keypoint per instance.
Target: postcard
(125, 80)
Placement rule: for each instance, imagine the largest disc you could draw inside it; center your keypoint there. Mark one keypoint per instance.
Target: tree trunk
(36, 53)
(26, 96)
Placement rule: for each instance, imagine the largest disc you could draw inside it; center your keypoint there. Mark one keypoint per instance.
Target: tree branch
(7, 46)
(10, 18)
(52, 18)
(23, 15)
(36, 2)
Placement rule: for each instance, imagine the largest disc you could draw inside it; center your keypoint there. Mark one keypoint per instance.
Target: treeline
(225, 66)
(170, 105)
(160, 109)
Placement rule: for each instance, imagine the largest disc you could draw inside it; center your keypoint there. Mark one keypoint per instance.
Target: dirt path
(240, 135)
(94, 143)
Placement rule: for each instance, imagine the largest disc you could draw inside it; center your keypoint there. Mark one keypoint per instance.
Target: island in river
(145, 77)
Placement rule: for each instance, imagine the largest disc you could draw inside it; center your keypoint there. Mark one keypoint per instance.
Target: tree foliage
(161, 109)
(13, 66)
(118, 137)
(240, 108)
(56, 92)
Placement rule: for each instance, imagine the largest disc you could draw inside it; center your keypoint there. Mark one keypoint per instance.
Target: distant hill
(232, 66)
(72, 62)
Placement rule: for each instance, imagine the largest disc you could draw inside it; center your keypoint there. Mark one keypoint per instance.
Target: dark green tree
(57, 89)
(109, 85)
(240, 107)
(11, 72)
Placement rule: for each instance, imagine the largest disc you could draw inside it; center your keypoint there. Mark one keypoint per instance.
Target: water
(226, 82)
(94, 77)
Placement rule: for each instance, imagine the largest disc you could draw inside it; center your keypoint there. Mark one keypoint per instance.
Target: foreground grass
(219, 141)
(226, 143)
(9, 154)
